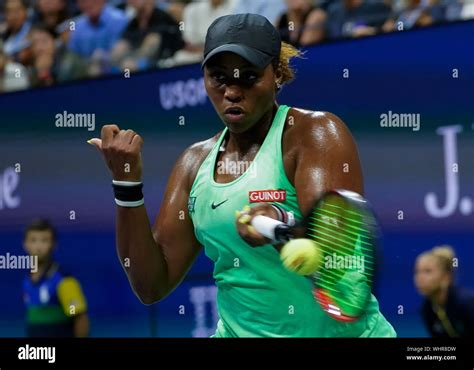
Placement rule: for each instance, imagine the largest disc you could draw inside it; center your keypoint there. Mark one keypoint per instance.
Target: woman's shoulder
(304, 124)
(193, 156)
(314, 115)
(201, 149)
(463, 296)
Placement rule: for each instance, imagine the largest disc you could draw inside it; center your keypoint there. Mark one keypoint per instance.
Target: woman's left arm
(327, 158)
(323, 156)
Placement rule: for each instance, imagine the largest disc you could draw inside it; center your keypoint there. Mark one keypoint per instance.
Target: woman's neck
(245, 141)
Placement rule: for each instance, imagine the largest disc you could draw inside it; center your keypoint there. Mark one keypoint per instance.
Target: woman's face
(42, 43)
(429, 275)
(15, 14)
(231, 81)
(50, 6)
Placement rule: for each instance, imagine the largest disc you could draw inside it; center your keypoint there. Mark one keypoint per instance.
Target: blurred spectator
(448, 310)
(467, 11)
(416, 13)
(97, 29)
(356, 18)
(51, 14)
(55, 303)
(13, 76)
(271, 10)
(197, 17)
(43, 50)
(104, 36)
(303, 24)
(175, 8)
(151, 35)
(14, 37)
(453, 9)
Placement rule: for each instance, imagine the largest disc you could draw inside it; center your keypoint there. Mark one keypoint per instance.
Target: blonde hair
(287, 53)
(445, 256)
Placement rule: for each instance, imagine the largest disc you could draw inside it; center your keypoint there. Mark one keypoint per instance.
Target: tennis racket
(344, 226)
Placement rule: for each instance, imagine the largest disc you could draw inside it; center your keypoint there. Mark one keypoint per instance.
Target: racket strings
(346, 209)
(326, 216)
(347, 244)
(346, 235)
(317, 234)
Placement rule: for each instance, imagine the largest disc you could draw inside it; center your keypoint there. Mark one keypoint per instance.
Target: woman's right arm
(157, 258)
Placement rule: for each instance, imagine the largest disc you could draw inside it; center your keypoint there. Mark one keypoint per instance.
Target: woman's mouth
(234, 114)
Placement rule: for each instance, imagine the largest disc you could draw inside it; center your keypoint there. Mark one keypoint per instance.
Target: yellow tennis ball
(302, 256)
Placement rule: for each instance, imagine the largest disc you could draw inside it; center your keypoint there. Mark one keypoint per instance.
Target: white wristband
(137, 203)
(126, 183)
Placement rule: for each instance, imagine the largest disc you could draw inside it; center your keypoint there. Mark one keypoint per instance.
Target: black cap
(251, 36)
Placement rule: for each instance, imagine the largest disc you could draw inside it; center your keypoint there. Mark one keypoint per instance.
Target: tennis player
(292, 156)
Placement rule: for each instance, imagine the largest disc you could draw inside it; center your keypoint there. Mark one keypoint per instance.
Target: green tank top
(256, 295)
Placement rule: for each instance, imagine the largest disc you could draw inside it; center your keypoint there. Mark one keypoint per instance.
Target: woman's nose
(233, 93)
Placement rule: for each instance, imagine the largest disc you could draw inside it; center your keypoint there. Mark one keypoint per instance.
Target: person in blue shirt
(17, 26)
(55, 304)
(97, 29)
(269, 9)
(448, 309)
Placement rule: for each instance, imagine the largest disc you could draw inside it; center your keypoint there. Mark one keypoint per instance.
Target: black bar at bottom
(18, 353)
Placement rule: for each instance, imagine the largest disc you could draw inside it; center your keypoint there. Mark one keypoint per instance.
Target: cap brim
(253, 56)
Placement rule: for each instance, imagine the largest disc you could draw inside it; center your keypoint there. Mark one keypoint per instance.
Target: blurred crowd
(43, 42)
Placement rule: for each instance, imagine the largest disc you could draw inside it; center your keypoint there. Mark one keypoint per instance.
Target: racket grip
(266, 226)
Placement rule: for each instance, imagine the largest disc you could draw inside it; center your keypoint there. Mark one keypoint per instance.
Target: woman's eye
(246, 78)
(219, 77)
(250, 77)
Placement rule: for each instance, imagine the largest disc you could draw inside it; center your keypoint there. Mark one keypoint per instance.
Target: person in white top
(197, 17)
(13, 76)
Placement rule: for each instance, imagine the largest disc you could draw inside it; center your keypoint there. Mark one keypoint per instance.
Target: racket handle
(272, 229)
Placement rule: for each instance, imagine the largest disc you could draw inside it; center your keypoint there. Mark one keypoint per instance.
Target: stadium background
(406, 72)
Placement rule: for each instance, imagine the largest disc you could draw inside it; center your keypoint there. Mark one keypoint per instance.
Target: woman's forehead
(426, 258)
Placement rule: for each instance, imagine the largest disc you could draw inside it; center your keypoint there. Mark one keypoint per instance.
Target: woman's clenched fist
(121, 150)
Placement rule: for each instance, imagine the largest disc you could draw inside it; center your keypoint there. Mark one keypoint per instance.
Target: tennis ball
(302, 256)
